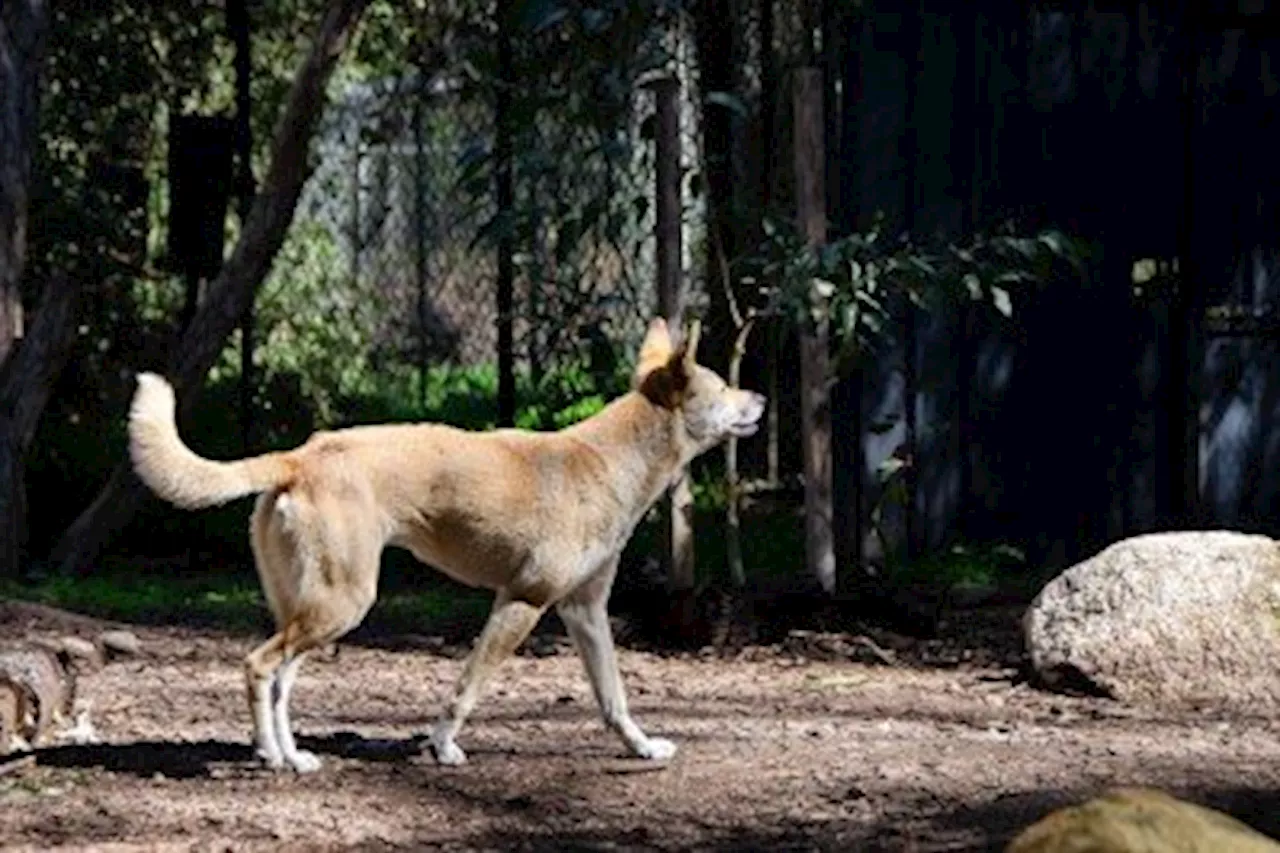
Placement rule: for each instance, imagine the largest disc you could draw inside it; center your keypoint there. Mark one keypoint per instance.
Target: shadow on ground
(986, 826)
(196, 759)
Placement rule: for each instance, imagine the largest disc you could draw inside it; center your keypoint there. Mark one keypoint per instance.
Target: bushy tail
(177, 474)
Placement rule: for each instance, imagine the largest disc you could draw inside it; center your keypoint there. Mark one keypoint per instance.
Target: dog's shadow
(196, 759)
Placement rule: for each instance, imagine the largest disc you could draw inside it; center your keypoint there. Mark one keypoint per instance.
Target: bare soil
(818, 742)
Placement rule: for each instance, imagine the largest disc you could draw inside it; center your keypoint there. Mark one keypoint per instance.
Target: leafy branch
(853, 282)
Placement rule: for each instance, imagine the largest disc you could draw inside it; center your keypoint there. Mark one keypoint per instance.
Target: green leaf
(539, 15)
(1000, 298)
(890, 466)
(729, 101)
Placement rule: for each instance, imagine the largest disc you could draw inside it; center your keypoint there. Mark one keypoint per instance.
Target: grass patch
(235, 603)
(231, 602)
(964, 565)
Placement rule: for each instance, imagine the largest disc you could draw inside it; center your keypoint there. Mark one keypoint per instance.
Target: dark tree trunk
(815, 368)
(677, 547)
(24, 386)
(26, 381)
(713, 32)
(231, 292)
(23, 37)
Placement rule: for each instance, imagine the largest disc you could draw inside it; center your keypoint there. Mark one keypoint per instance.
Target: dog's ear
(655, 352)
(665, 382)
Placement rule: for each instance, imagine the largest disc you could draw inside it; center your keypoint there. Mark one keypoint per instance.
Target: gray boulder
(1183, 618)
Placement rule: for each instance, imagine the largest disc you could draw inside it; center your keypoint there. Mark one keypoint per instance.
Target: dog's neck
(640, 441)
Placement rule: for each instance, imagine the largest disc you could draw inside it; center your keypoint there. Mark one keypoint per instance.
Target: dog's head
(671, 377)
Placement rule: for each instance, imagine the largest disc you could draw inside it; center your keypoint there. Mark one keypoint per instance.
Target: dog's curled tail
(178, 475)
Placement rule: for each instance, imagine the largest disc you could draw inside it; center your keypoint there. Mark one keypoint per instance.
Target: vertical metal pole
(420, 235)
(238, 24)
(356, 239)
(505, 192)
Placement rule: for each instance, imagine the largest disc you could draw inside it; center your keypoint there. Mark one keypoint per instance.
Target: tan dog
(541, 518)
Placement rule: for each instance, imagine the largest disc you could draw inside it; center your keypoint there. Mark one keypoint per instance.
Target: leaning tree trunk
(23, 36)
(236, 283)
(26, 381)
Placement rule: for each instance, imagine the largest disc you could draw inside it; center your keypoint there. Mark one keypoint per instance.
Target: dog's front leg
(508, 625)
(586, 617)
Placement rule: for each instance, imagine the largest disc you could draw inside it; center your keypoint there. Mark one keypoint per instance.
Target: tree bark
(713, 25)
(815, 372)
(25, 383)
(231, 291)
(677, 552)
(23, 37)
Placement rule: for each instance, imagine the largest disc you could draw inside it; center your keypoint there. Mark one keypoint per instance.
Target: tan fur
(540, 518)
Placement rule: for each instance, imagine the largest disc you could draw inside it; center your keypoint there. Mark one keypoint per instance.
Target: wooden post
(815, 396)
(678, 554)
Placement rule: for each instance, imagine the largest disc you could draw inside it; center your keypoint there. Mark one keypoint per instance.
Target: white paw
(303, 761)
(656, 749)
(449, 753)
(270, 758)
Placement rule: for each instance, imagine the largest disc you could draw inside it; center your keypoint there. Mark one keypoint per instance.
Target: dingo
(540, 518)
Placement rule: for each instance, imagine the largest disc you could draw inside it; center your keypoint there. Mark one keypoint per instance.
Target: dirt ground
(823, 742)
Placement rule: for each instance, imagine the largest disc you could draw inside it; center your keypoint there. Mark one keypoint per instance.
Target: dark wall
(1051, 431)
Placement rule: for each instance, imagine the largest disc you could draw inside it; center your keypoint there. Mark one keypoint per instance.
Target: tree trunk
(24, 386)
(677, 546)
(23, 32)
(26, 381)
(815, 372)
(230, 293)
(714, 22)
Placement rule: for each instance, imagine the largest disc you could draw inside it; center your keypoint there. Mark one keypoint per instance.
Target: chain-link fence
(404, 189)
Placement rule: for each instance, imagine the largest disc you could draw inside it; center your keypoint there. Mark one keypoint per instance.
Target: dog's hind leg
(508, 625)
(320, 583)
(300, 760)
(260, 668)
(272, 668)
(586, 617)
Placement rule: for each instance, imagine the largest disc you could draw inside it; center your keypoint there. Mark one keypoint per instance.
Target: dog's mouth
(748, 418)
(745, 428)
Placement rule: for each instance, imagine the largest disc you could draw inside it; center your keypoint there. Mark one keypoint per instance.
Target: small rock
(121, 643)
(81, 651)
